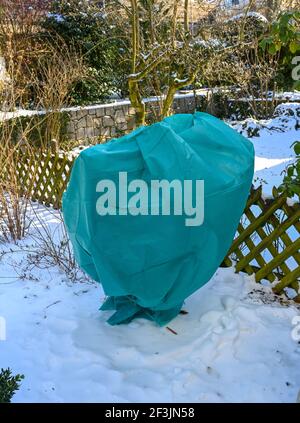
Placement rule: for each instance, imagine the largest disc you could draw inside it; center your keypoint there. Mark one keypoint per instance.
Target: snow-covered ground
(272, 141)
(273, 153)
(235, 343)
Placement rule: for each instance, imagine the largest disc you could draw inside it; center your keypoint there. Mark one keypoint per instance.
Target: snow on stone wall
(109, 120)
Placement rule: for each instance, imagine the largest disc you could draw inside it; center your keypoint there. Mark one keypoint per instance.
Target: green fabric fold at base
(127, 309)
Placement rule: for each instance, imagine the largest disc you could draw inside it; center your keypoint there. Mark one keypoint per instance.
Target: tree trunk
(168, 101)
(186, 17)
(137, 102)
(133, 85)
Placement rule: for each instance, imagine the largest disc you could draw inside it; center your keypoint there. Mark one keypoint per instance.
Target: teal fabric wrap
(148, 265)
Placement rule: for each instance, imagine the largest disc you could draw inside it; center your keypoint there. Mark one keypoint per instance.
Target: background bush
(291, 180)
(85, 27)
(283, 38)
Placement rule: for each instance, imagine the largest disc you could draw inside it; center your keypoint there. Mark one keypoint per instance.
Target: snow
(4, 77)
(234, 345)
(210, 43)
(273, 153)
(5, 115)
(19, 113)
(289, 95)
(272, 142)
(56, 16)
(256, 15)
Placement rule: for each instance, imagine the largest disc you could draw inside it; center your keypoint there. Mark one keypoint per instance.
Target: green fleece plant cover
(150, 261)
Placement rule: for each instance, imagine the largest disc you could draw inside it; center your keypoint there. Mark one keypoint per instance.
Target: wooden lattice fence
(44, 175)
(267, 242)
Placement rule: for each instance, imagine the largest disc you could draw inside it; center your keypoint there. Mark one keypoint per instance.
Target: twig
(171, 330)
(55, 302)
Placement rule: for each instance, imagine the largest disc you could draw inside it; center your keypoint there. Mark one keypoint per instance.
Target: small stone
(107, 121)
(81, 123)
(70, 127)
(81, 114)
(119, 116)
(109, 111)
(105, 132)
(92, 112)
(89, 121)
(120, 120)
(80, 135)
(121, 126)
(131, 111)
(97, 132)
(89, 132)
(100, 112)
(131, 123)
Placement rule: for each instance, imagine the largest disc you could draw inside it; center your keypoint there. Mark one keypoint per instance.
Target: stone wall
(97, 123)
(109, 120)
